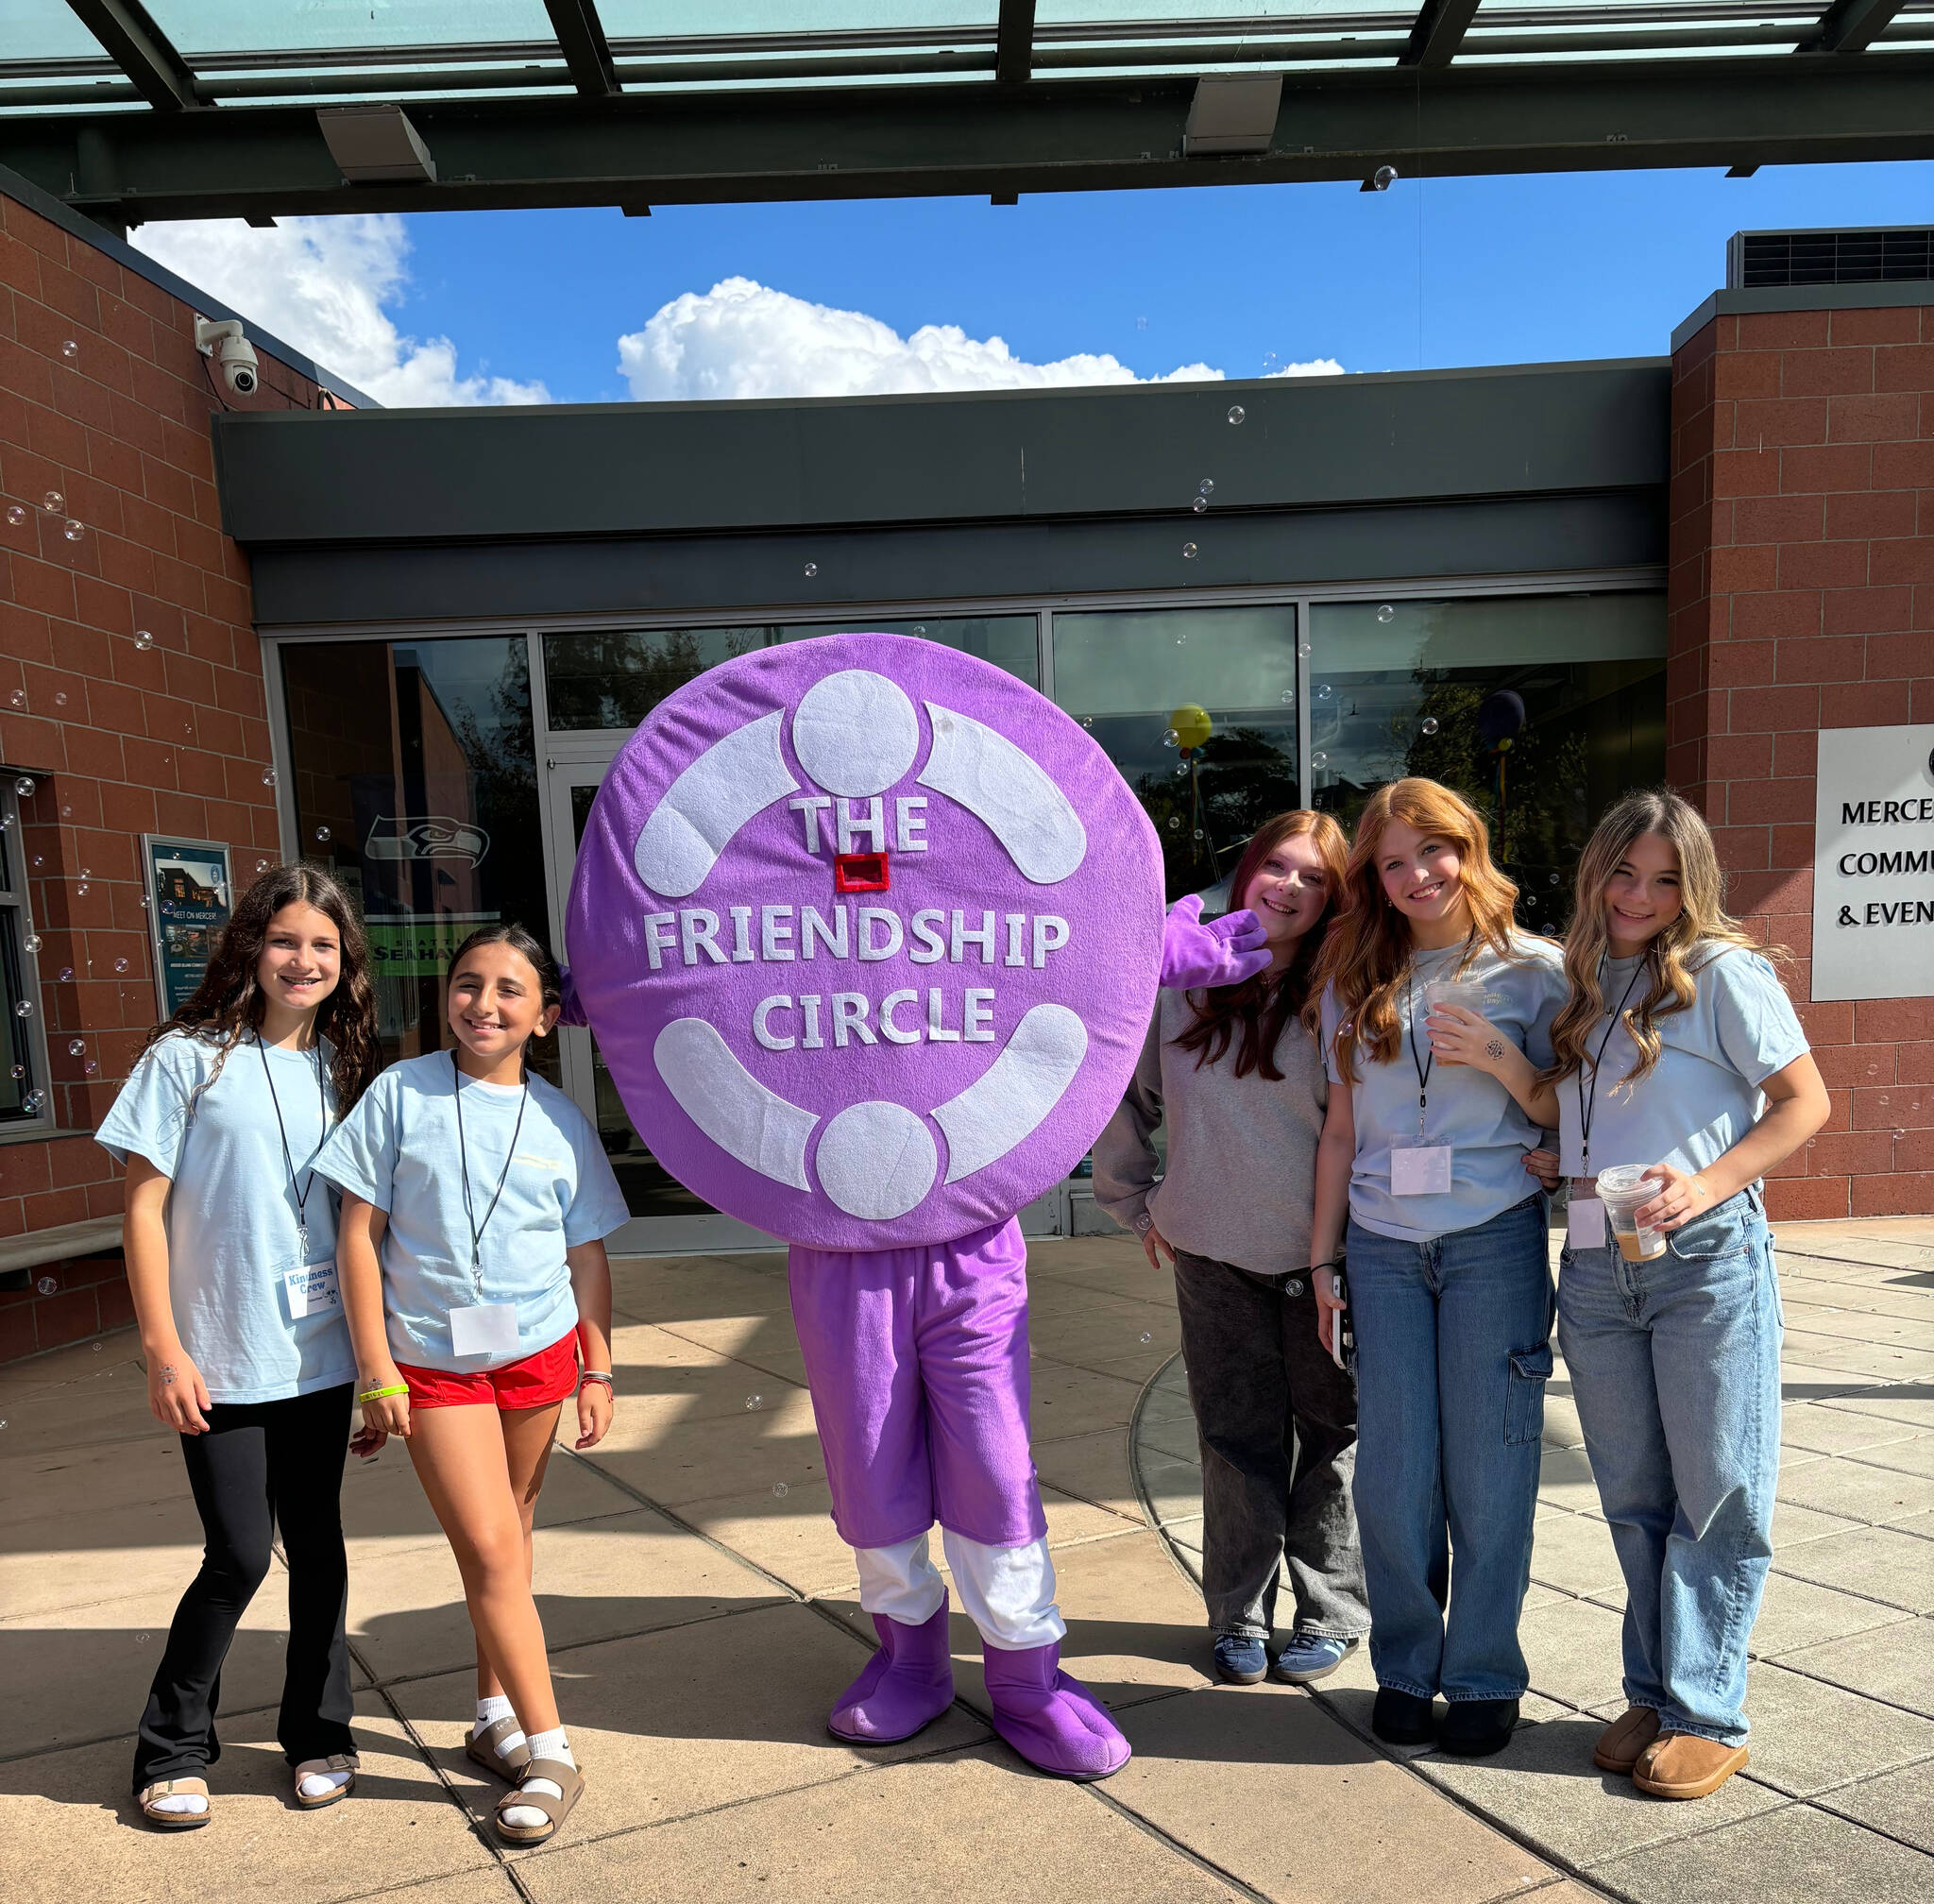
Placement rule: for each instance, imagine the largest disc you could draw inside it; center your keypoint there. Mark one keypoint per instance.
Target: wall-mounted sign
(1874, 864)
(190, 895)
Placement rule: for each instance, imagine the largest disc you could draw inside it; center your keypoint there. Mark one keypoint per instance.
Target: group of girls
(308, 1234)
(1386, 1143)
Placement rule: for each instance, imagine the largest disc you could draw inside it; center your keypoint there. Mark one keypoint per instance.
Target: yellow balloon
(1191, 723)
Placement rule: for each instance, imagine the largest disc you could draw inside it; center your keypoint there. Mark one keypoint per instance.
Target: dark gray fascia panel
(632, 469)
(1877, 297)
(393, 588)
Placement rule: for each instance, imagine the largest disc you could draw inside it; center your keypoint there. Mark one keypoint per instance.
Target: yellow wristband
(378, 1394)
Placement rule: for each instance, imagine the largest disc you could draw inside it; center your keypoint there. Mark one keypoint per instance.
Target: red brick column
(1802, 597)
(120, 737)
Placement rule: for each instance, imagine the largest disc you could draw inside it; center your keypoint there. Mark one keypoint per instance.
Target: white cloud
(744, 339)
(1317, 367)
(321, 285)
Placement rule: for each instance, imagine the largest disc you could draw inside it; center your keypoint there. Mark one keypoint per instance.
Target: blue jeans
(1453, 1349)
(1674, 1364)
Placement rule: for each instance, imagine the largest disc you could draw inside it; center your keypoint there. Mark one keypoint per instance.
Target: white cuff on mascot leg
(900, 1582)
(1007, 1591)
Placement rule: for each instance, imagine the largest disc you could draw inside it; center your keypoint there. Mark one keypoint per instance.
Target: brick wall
(120, 737)
(1802, 597)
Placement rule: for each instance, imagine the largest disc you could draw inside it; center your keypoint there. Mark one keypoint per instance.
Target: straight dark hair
(229, 1002)
(549, 986)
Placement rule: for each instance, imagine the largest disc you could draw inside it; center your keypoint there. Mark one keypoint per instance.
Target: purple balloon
(867, 932)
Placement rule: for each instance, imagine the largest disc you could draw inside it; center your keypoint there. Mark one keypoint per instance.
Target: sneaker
(1310, 1657)
(1403, 1719)
(1240, 1660)
(1474, 1729)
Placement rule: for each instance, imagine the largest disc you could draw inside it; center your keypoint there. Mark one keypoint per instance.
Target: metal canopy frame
(1003, 108)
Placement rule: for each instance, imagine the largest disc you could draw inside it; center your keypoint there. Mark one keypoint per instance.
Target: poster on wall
(1874, 864)
(190, 895)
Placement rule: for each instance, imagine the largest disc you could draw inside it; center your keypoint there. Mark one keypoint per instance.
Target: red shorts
(536, 1381)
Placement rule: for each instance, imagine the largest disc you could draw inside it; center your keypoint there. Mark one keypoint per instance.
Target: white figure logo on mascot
(867, 932)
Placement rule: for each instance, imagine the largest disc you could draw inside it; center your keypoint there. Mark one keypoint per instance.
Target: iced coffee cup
(1625, 1190)
(1469, 993)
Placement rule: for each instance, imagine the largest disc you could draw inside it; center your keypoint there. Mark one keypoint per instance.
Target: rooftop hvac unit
(1897, 254)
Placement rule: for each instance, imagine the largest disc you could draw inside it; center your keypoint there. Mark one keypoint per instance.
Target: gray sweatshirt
(1240, 1186)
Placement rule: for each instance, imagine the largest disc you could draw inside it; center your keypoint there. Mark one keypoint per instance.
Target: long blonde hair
(1367, 953)
(1673, 958)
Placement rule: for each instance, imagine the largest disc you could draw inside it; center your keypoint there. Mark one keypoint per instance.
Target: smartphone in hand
(1342, 1329)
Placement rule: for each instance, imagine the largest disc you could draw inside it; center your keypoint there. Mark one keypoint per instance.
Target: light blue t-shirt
(1703, 1096)
(399, 1150)
(231, 1210)
(1469, 1111)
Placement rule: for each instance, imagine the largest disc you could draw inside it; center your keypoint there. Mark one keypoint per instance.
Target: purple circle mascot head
(869, 934)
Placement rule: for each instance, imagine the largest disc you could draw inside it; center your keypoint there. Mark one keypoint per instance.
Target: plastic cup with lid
(1625, 1190)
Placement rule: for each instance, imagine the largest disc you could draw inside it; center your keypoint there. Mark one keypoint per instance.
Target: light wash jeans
(1674, 1364)
(1454, 1349)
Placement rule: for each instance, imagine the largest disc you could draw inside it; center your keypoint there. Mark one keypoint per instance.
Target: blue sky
(1439, 272)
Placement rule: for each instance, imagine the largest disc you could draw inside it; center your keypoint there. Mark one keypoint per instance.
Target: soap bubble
(1236, 412)
(1430, 724)
(140, 1639)
(97, 1348)
(120, 965)
(812, 569)
(1324, 690)
(144, 640)
(18, 698)
(1188, 552)
(34, 1103)
(262, 865)
(46, 1285)
(1303, 648)
(1200, 506)
(1171, 738)
(72, 529)
(268, 777)
(1146, 1336)
(18, 1072)
(1287, 695)
(1386, 613)
(779, 1487)
(1174, 826)
(53, 502)
(32, 942)
(1208, 486)
(5, 823)
(69, 350)
(16, 515)
(322, 836)
(24, 1008)
(76, 1048)
(1319, 759)
(67, 975)
(89, 1070)
(1386, 176)
(753, 1401)
(61, 700)
(1199, 834)
(81, 891)
(24, 787)
(39, 861)
(1550, 878)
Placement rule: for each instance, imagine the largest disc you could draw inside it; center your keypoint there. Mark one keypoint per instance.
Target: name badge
(311, 1290)
(1584, 1223)
(1419, 1169)
(485, 1329)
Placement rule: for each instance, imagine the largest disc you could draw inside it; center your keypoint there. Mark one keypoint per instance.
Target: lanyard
(301, 1194)
(477, 1229)
(1423, 1065)
(1588, 1101)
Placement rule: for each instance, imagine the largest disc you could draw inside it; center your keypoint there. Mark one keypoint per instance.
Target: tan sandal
(482, 1749)
(336, 1761)
(569, 1782)
(174, 1788)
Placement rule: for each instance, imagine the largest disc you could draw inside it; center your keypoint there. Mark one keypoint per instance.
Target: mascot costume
(869, 933)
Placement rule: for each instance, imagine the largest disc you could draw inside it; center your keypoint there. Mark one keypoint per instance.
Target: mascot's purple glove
(573, 1012)
(1225, 953)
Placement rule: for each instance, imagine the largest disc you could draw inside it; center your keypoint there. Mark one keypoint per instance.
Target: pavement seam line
(1130, 1816)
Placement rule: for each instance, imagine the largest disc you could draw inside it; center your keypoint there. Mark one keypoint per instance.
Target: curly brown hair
(229, 1002)
(1252, 1014)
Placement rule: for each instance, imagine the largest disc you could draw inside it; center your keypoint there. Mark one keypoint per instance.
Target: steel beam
(1853, 26)
(142, 51)
(1014, 57)
(580, 33)
(943, 139)
(1441, 26)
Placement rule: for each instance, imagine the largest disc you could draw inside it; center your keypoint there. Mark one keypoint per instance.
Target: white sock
(316, 1785)
(1007, 1591)
(489, 1711)
(550, 1744)
(181, 1801)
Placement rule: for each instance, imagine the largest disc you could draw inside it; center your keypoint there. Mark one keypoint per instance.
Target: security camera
(232, 351)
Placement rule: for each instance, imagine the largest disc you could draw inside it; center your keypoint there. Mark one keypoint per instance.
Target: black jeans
(1277, 1421)
(258, 1466)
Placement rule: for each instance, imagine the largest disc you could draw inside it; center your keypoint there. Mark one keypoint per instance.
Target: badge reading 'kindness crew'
(867, 932)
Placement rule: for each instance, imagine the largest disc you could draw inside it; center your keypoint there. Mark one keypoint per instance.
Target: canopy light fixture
(1233, 112)
(376, 145)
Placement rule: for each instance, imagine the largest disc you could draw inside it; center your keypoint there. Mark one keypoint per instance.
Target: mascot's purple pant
(917, 1359)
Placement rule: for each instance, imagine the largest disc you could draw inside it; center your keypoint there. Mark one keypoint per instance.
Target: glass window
(1539, 709)
(613, 677)
(1196, 707)
(24, 1098)
(416, 784)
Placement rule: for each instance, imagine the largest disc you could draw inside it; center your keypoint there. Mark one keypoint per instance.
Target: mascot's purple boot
(1053, 1721)
(908, 1684)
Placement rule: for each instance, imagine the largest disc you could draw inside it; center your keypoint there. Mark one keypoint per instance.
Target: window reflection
(1196, 708)
(416, 784)
(1538, 709)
